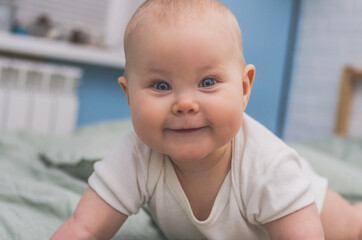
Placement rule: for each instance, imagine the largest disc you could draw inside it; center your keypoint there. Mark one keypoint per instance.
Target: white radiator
(38, 97)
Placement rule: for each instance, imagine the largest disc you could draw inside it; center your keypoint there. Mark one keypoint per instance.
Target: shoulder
(260, 148)
(128, 174)
(266, 169)
(131, 150)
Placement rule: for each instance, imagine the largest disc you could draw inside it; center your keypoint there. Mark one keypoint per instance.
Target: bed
(42, 177)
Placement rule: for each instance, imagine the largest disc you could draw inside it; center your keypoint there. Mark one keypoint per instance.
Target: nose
(185, 105)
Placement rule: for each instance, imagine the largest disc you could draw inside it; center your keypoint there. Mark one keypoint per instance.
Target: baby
(205, 168)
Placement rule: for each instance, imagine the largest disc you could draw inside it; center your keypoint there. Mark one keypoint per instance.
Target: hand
(93, 219)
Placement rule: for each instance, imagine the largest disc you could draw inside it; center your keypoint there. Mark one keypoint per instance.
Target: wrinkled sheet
(35, 197)
(337, 159)
(42, 178)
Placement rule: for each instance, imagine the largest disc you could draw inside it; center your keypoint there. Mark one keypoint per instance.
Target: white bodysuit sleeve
(281, 188)
(120, 178)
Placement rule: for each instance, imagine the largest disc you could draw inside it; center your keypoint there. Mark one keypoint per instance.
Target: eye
(207, 82)
(161, 86)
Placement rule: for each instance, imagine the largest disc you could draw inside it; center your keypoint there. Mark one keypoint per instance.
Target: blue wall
(265, 29)
(100, 95)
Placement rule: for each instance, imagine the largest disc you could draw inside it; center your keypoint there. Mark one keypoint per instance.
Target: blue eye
(161, 86)
(207, 82)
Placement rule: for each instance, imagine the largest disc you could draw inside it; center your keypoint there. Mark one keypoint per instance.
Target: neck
(215, 164)
(202, 183)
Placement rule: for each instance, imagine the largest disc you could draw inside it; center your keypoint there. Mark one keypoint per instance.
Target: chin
(188, 155)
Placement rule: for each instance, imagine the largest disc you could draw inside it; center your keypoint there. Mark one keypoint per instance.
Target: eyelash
(155, 84)
(214, 81)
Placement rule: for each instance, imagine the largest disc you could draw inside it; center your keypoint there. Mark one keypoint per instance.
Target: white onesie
(267, 180)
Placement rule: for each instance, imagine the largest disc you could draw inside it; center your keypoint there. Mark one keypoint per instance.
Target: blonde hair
(166, 11)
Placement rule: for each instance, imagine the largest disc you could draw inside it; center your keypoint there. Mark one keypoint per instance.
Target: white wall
(329, 38)
(105, 21)
(119, 13)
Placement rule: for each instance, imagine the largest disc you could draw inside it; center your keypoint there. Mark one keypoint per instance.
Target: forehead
(176, 17)
(195, 25)
(207, 34)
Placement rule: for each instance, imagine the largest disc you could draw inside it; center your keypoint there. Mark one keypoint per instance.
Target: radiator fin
(38, 97)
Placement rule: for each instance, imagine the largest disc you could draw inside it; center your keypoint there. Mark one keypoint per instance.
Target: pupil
(162, 86)
(208, 82)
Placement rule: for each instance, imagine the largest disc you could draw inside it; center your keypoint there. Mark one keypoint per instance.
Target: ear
(123, 82)
(248, 79)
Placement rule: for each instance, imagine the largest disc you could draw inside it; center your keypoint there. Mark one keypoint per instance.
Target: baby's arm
(92, 219)
(302, 224)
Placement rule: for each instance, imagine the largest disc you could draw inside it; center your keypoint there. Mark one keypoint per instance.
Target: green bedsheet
(42, 178)
(337, 159)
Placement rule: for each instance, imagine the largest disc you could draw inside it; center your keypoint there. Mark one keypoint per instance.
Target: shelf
(41, 47)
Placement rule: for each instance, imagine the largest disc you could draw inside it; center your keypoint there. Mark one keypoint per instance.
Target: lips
(186, 130)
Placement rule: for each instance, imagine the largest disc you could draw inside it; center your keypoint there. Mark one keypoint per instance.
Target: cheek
(148, 115)
(226, 112)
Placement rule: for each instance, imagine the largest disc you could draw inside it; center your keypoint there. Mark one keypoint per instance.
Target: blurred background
(62, 58)
(61, 108)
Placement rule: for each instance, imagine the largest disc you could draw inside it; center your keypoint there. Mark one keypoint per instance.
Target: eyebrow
(203, 68)
(157, 71)
(206, 67)
(213, 67)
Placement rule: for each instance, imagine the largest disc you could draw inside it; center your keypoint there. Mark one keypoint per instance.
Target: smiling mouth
(187, 130)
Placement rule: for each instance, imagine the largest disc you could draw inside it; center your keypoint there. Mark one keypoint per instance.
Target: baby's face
(185, 89)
